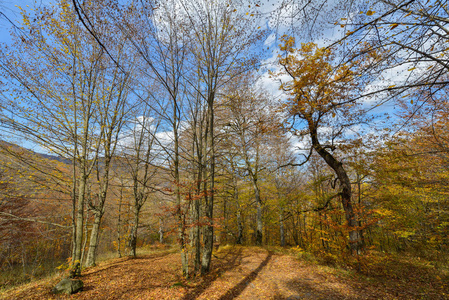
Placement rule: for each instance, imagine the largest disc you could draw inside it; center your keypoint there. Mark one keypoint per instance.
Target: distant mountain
(53, 157)
(4, 144)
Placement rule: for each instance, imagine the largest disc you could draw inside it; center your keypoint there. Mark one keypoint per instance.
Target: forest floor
(247, 273)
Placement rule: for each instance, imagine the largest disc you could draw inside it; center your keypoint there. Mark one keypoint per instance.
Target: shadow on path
(241, 286)
(230, 260)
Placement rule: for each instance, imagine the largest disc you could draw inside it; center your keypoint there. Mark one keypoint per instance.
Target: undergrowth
(16, 276)
(373, 264)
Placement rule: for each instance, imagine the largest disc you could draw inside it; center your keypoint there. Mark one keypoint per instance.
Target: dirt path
(238, 273)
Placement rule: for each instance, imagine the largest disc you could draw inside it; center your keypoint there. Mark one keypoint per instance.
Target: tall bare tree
(223, 37)
(67, 99)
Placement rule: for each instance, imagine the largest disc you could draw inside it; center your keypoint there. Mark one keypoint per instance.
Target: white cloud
(270, 40)
(165, 138)
(392, 77)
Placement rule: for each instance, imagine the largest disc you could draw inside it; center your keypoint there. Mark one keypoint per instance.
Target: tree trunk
(239, 239)
(254, 178)
(196, 237)
(224, 238)
(98, 215)
(79, 219)
(119, 223)
(133, 233)
(209, 209)
(197, 150)
(259, 234)
(182, 241)
(74, 210)
(94, 239)
(355, 237)
(85, 237)
(240, 227)
(281, 228)
(161, 231)
(208, 239)
(360, 203)
(185, 262)
(179, 213)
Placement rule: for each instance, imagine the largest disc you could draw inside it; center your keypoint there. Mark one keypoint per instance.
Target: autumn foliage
(169, 123)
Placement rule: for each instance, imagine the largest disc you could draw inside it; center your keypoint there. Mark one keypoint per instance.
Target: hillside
(19, 149)
(248, 273)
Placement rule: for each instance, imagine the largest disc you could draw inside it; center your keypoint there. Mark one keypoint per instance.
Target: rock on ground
(68, 286)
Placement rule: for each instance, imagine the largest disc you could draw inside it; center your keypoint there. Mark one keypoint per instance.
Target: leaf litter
(237, 273)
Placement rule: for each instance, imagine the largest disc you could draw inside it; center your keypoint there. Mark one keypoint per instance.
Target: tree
(68, 98)
(162, 44)
(218, 37)
(412, 34)
(318, 98)
(407, 36)
(286, 182)
(410, 180)
(139, 155)
(223, 38)
(250, 123)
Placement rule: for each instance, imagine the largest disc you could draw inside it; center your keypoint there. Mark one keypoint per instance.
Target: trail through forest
(239, 273)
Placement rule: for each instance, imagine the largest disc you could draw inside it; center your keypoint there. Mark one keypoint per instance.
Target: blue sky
(10, 9)
(10, 12)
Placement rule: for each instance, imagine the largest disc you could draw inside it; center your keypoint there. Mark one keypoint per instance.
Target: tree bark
(94, 239)
(239, 240)
(161, 231)
(119, 222)
(209, 209)
(254, 174)
(281, 228)
(355, 237)
(259, 229)
(98, 215)
(133, 233)
(179, 213)
(198, 151)
(79, 219)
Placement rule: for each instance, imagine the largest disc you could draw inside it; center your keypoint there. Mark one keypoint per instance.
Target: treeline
(165, 132)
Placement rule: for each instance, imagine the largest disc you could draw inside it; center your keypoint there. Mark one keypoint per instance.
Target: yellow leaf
(411, 69)
(370, 13)
(391, 86)
(393, 26)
